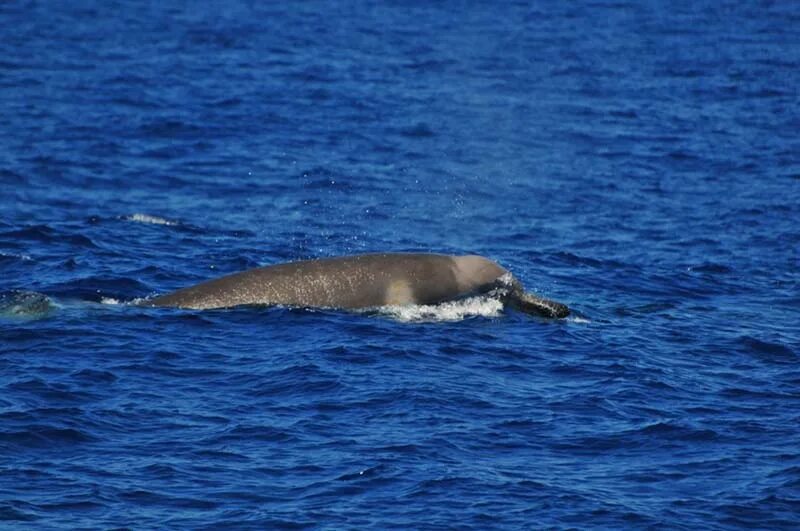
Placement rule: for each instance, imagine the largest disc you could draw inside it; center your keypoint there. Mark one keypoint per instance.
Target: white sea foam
(447, 311)
(110, 300)
(147, 218)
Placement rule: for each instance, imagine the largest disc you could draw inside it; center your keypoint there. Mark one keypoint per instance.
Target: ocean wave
(176, 152)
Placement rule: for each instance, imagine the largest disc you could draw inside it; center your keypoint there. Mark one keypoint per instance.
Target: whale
(363, 281)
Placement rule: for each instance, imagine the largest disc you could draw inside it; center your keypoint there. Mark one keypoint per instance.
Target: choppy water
(638, 161)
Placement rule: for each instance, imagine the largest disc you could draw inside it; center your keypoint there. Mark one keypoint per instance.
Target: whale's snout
(529, 303)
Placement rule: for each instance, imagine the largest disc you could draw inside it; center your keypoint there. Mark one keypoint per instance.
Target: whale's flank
(359, 281)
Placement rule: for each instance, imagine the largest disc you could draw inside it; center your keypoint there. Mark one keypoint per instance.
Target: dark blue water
(638, 161)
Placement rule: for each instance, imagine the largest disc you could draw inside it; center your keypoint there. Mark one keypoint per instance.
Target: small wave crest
(147, 218)
(482, 306)
(12, 256)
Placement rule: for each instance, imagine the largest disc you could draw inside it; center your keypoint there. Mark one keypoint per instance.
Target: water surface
(638, 161)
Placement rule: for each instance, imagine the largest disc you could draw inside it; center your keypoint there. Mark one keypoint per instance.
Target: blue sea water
(639, 161)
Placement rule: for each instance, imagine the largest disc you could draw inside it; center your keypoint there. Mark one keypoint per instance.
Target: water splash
(147, 218)
(481, 306)
(18, 304)
(578, 320)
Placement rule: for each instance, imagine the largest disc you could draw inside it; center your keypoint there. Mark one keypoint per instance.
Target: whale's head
(473, 272)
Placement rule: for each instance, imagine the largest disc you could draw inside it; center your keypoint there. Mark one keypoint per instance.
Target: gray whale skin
(363, 281)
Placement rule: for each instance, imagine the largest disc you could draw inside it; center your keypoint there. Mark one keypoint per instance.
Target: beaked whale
(362, 281)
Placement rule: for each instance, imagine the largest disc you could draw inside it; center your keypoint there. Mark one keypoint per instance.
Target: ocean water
(639, 161)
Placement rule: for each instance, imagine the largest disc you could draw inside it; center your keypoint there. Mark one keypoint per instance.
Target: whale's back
(344, 282)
